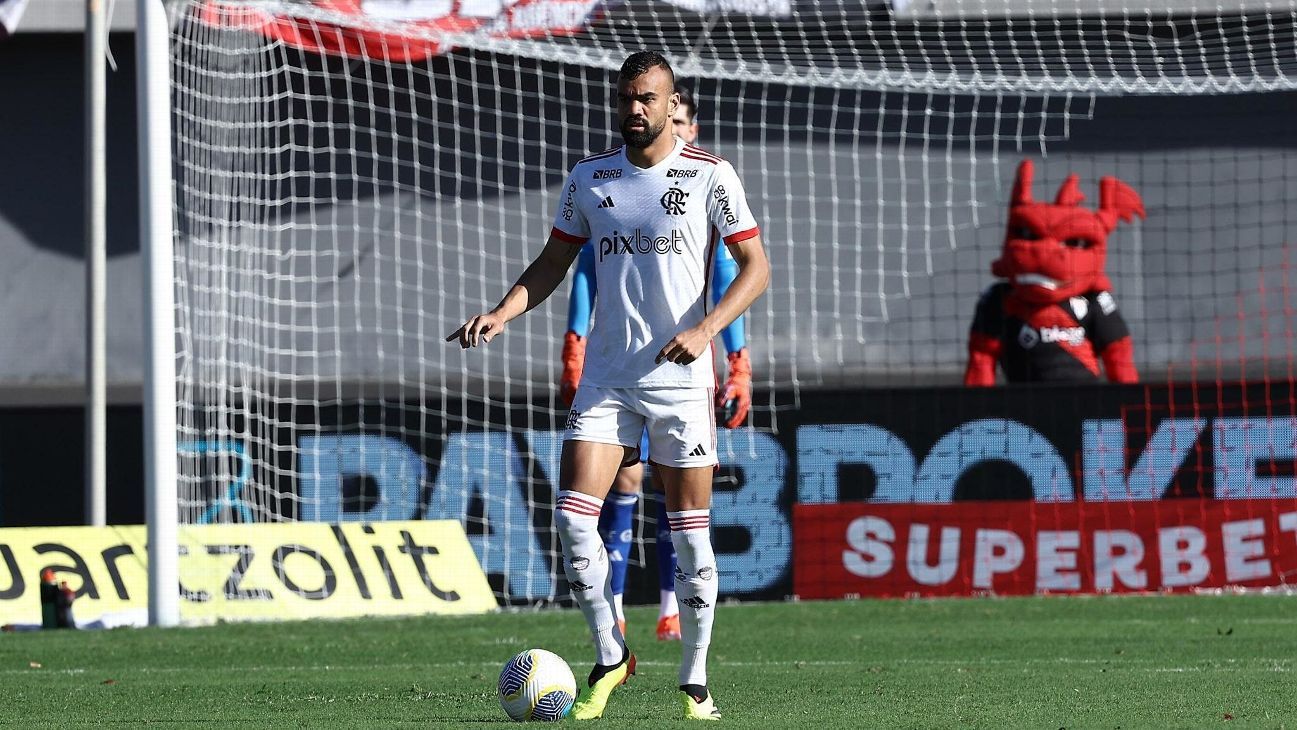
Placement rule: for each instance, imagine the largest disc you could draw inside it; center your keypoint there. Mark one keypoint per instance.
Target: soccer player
(655, 208)
(734, 400)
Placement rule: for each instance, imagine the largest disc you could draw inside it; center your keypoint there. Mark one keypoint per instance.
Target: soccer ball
(537, 685)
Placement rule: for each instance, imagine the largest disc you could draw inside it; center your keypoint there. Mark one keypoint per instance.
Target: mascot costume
(1055, 318)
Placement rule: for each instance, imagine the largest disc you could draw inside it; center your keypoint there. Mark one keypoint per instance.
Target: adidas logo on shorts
(698, 451)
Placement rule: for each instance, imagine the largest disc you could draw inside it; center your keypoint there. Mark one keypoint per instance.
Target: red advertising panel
(404, 31)
(1025, 547)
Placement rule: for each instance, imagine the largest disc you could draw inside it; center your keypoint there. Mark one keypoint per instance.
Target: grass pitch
(1152, 661)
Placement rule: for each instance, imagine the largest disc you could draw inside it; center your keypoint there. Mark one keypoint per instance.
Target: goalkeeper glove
(573, 361)
(735, 397)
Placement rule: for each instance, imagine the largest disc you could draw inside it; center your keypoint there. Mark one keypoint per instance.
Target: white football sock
(616, 605)
(696, 588)
(585, 563)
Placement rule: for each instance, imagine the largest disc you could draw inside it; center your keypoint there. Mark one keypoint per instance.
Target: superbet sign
(1021, 547)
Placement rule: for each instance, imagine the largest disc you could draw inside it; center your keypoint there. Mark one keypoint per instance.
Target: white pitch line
(36, 670)
(1229, 665)
(381, 667)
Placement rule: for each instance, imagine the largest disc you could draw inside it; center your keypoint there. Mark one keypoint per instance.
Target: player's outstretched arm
(537, 282)
(754, 276)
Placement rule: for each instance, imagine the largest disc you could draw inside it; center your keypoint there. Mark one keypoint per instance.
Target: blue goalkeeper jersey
(585, 289)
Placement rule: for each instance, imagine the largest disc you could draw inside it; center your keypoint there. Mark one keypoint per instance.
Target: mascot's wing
(1118, 201)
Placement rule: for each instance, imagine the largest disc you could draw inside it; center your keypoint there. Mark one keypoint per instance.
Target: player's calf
(585, 563)
(696, 590)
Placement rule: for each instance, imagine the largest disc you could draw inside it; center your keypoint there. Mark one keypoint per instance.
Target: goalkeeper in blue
(732, 402)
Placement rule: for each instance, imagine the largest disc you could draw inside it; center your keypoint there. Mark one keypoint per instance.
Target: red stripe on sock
(695, 525)
(581, 505)
(584, 502)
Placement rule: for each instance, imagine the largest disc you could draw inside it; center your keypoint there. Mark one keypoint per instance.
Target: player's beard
(641, 139)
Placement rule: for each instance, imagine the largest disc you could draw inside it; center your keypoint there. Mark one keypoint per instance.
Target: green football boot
(603, 680)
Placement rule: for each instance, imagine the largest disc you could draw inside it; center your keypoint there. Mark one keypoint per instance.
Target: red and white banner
(407, 30)
(1003, 548)
(410, 30)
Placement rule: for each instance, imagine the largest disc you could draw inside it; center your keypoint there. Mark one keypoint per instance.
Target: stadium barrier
(1196, 465)
(230, 572)
(1006, 548)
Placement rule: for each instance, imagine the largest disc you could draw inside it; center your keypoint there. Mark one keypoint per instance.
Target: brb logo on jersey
(637, 242)
(673, 201)
(612, 174)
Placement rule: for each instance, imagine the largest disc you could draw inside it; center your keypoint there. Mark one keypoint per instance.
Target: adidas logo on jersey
(607, 203)
(698, 451)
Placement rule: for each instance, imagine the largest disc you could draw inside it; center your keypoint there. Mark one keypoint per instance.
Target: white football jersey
(654, 233)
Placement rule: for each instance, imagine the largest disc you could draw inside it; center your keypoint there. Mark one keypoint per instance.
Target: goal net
(352, 178)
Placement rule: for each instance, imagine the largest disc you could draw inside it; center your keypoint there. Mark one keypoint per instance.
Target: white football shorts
(681, 422)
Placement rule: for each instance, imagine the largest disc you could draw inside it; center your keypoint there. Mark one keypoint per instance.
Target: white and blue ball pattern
(537, 685)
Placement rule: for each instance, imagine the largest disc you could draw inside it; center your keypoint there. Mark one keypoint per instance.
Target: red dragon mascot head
(1055, 251)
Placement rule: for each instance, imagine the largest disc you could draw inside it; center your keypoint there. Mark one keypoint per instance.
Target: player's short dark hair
(638, 64)
(687, 100)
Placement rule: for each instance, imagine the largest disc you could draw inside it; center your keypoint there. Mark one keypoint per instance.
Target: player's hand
(573, 364)
(735, 397)
(478, 330)
(685, 347)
